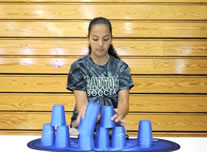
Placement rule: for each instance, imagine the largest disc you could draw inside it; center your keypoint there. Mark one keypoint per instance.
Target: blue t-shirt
(101, 82)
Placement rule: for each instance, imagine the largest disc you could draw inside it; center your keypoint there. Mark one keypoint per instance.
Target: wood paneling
(105, 1)
(126, 47)
(169, 122)
(164, 84)
(35, 102)
(113, 11)
(138, 102)
(163, 41)
(143, 84)
(167, 103)
(138, 65)
(160, 121)
(130, 133)
(33, 83)
(137, 29)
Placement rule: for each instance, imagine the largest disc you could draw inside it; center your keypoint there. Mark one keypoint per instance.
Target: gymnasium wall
(163, 41)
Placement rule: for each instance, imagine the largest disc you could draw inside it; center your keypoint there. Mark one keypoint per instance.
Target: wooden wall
(163, 41)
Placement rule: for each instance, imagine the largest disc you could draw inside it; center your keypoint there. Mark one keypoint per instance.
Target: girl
(100, 76)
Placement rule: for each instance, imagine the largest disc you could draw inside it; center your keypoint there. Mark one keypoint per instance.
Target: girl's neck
(100, 60)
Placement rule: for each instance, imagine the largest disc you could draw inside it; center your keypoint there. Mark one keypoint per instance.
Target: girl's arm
(81, 103)
(123, 106)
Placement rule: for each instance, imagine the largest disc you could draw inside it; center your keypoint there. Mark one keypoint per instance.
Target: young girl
(100, 76)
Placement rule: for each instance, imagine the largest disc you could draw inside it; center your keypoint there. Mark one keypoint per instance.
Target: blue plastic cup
(102, 138)
(58, 116)
(106, 113)
(118, 138)
(48, 135)
(145, 133)
(62, 137)
(88, 123)
(86, 142)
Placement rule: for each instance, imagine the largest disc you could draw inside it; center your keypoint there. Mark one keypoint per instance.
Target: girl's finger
(78, 120)
(124, 122)
(114, 117)
(83, 111)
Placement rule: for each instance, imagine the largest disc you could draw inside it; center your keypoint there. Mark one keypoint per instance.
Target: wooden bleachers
(163, 41)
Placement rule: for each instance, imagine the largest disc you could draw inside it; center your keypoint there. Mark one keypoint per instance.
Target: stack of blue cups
(87, 127)
(62, 137)
(118, 132)
(102, 134)
(102, 140)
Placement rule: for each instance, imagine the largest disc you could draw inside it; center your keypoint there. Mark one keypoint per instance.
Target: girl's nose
(100, 43)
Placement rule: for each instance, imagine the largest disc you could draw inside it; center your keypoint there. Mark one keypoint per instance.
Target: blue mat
(158, 145)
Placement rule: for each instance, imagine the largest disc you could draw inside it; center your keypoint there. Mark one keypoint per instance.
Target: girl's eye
(95, 39)
(106, 39)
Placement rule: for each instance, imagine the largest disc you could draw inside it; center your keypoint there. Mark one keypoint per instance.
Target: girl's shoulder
(80, 61)
(119, 62)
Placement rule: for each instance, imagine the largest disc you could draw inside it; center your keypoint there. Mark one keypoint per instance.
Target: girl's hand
(81, 115)
(117, 117)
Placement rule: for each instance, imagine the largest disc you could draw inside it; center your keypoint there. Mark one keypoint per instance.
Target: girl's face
(100, 40)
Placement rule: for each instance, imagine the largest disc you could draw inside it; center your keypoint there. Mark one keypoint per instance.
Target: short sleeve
(125, 79)
(75, 79)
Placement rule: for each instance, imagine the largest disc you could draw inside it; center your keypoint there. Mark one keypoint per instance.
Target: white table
(19, 143)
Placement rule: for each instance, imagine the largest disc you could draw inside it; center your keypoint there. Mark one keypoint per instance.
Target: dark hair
(102, 20)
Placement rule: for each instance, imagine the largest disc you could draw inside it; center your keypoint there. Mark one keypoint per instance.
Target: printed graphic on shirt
(102, 86)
